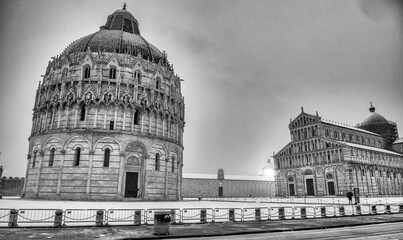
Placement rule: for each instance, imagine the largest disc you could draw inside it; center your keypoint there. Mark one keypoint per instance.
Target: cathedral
(108, 120)
(329, 158)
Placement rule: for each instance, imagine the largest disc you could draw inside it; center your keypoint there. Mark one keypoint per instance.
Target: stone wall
(209, 188)
(11, 186)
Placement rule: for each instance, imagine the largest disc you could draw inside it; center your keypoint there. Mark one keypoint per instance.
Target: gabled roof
(301, 115)
(370, 148)
(347, 126)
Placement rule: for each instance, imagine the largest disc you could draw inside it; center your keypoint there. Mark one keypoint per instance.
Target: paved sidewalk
(193, 230)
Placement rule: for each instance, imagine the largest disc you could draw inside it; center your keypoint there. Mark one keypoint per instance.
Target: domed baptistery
(108, 120)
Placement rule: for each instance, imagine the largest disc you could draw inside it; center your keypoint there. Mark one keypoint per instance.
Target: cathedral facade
(329, 158)
(108, 120)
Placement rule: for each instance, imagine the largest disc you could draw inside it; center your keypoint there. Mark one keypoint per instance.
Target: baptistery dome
(120, 34)
(108, 120)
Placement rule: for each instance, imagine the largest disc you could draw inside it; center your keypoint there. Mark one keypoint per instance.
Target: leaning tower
(108, 120)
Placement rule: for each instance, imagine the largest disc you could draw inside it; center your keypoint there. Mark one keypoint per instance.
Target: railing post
(323, 211)
(173, 216)
(99, 220)
(13, 217)
(303, 212)
(341, 211)
(231, 215)
(258, 215)
(137, 217)
(203, 216)
(58, 218)
(373, 209)
(281, 213)
(387, 209)
(357, 210)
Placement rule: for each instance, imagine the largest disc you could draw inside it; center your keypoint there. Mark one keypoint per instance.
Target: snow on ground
(18, 203)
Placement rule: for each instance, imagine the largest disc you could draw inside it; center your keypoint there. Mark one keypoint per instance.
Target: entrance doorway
(310, 191)
(220, 191)
(292, 191)
(330, 188)
(131, 189)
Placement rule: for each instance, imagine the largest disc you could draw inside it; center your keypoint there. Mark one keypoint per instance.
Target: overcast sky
(248, 67)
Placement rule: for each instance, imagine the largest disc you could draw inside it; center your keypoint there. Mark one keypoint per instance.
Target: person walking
(350, 197)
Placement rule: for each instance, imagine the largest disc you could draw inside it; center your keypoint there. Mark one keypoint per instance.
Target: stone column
(142, 122)
(88, 189)
(95, 118)
(59, 179)
(106, 111)
(163, 133)
(134, 112)
(115, 117)
(52, 119)
(180, 180)
(67, 117)
(75, 119)
(59, 116)
(121, 173)
(24, 189)
(46, 120)
(124, 118)
(156, 125)
(166, 178)
(149, 122)
(85, 116)
(38, 176)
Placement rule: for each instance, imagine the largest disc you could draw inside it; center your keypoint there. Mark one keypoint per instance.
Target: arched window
(158, 83)
(173, 164)
(136, 119)
(107, 154)
(34, 160)
(138, 76)
(82, 116)
(51, 157)
(77, 156)
(157, 162)
(112, 73)
(87, 72)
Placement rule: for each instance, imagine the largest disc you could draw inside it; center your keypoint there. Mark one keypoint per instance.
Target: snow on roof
(226, 177)
(370, 148)
(347, 126)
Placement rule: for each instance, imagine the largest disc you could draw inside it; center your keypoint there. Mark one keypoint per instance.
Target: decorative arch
(308, 172)
(77, 137)
(108, 139)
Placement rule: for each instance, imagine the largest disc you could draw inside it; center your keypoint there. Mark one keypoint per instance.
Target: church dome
(120, 34)
(373, 118)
